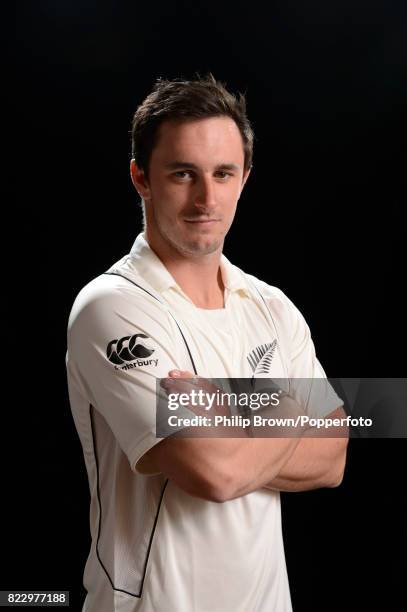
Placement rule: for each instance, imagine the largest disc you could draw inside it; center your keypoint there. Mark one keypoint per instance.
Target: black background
(321, 217)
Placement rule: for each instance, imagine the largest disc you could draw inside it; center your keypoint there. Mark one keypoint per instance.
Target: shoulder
(110, 303)
(275, 297)
(285, 313)
(110, 291)
(268, 292)
(250, 284)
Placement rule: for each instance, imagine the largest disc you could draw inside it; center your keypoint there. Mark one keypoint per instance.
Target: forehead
(215, 139)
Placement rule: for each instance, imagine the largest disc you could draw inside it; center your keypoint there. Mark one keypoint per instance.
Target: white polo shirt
(154, 547)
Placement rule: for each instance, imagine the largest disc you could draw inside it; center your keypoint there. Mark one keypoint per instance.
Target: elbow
(216, 496)
(220, 489)
(336, 480)
(220, 483)
(213, 485)
(338, 470)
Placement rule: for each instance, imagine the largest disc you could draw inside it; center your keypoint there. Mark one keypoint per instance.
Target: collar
(152, 269)
(149, 265)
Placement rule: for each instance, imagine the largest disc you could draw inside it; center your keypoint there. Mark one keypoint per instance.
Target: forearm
(257, 461)
(315, 463)
(225, 463)
(222, 469)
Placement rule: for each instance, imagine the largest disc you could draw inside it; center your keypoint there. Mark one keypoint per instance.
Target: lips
(201, 220)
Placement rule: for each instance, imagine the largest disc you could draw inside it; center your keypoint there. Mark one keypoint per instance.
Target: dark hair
(180, 100)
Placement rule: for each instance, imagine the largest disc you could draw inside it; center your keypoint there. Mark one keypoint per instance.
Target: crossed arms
(221, 469)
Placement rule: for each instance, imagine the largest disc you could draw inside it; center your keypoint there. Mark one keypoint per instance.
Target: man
(187, 524)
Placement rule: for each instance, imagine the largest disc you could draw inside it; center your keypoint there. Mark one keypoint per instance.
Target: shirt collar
(152, 269)
(150, 266)
(233, 278)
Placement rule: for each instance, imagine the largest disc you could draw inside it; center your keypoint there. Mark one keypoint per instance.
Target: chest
(241, 341)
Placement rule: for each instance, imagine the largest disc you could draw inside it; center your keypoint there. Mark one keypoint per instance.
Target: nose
(205, 195)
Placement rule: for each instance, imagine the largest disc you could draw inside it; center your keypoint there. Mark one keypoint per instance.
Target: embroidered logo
(261, 357)
(130, 352)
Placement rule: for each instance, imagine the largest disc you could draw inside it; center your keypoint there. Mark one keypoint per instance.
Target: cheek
(170, 195)
(232, 200)
(168, 203)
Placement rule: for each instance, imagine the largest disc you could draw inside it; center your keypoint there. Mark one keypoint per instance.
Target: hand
(208, 395)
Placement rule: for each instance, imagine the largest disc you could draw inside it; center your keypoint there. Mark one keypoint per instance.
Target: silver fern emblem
(261, 357)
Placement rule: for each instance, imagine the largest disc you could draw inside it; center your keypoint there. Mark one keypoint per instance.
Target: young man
(187, 524)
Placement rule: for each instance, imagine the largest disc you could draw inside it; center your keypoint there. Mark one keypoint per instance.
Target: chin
(201, 247)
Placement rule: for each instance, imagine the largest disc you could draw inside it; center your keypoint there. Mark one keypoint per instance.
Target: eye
(181, 172)
(224, 173)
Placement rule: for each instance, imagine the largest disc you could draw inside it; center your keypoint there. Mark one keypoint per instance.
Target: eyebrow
(184, 164)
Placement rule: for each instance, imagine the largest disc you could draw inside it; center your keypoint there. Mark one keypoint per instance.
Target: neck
(200, 278)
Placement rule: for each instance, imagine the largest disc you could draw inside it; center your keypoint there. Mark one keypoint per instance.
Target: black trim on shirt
(91, 409)
(176, 322)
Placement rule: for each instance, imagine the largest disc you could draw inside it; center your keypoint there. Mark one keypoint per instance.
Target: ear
(139, 181)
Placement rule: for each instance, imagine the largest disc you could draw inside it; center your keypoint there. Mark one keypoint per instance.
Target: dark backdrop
(320, 217)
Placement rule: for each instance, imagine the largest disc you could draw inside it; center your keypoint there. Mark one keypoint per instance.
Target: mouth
(202, 221)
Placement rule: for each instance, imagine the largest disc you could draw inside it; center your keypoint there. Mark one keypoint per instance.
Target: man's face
(196, 176)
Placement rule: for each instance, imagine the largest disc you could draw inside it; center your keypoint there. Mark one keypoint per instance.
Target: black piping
(156, 298)
(91, 409)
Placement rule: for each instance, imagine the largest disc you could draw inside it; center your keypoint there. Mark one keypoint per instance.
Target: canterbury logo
(261, 357)
(128, 348)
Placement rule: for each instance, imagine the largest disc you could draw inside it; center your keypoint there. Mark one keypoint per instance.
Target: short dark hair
(181, 100)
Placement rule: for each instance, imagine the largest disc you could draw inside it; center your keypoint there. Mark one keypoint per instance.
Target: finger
(180, 374)
(177, 384)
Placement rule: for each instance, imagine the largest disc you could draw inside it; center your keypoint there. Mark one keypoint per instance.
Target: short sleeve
(308, 381)
(119, 343)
